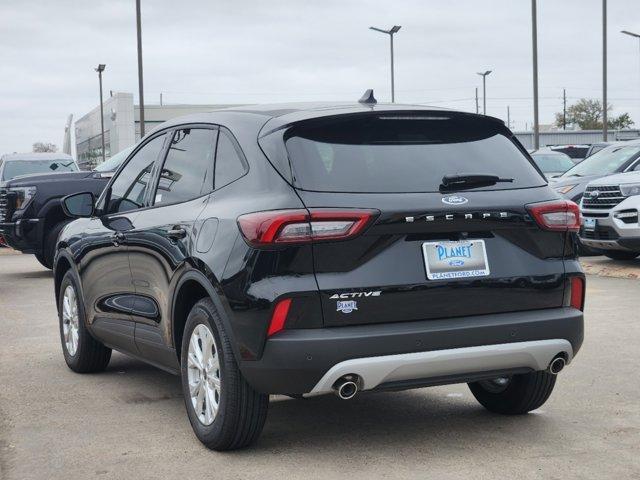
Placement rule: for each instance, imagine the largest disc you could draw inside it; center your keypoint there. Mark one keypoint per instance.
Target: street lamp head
(393, 30)
(626, 32)
(100, 68)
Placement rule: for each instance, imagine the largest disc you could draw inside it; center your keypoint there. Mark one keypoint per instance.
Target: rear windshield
(16, 168)
(609, 160)
(396, 153)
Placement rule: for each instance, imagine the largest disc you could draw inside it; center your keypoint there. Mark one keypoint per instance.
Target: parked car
(31, 213)
(596, 147)
(610, 208)
(616, 158)
(314, 249)
(577, 153)
(552, 164)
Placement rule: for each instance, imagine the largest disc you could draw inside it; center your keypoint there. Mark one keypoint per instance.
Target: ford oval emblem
(454, 200)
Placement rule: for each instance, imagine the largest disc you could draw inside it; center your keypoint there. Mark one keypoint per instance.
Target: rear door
(431, 252)
(163, 236)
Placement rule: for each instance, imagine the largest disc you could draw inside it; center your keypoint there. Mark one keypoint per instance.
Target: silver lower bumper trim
(374, 371)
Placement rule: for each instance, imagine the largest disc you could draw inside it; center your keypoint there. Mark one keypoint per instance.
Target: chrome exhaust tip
(556, 365)
(346, 387)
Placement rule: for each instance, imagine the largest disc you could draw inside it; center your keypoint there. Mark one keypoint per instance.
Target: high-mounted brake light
(279, 316)
(557, 215)
(302, 226)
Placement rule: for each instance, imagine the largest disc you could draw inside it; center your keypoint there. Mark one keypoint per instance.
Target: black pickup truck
(31, 214)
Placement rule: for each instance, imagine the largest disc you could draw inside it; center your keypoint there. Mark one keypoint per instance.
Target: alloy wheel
(203, 374)
(70, 320)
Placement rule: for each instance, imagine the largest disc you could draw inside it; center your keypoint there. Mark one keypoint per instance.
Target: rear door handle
(177, 233)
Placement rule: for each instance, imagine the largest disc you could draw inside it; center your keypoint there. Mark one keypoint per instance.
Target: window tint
(188, 170)
(129, 188)
(229, 164)
(403, 153)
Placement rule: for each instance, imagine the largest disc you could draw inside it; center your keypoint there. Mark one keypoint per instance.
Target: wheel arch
(192, 287)
(61, 266)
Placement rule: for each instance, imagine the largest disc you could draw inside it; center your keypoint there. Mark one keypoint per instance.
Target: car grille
(600, 233)
(606, 197)
(4, 205)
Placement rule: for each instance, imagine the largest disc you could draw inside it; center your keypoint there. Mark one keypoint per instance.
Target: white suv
(610, 208)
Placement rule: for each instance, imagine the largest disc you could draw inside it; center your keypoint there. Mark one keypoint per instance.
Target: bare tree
(41, 147)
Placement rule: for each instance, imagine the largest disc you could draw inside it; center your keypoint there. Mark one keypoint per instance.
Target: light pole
(534, 42)
(484, 90)
(605, 126)
(140, 82)
(390, 32)
(100, 69)
(631, 34)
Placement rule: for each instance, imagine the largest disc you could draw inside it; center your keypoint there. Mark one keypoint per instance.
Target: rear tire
(521, 394)
(621, 255)
(210, 373)
(82, 352)
(49, 247)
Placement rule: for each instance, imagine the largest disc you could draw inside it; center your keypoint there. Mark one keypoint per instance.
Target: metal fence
(574, 137)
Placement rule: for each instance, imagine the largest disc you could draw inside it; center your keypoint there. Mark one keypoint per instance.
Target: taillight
(279, 316)
(301, 226)
(557, 215)
(577, 292)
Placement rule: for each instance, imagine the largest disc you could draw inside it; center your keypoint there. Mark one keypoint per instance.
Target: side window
(128, 190)
(229, 163)
(187, 172)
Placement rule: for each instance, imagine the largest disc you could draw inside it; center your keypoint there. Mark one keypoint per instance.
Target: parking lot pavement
(129, 422)
(606, 267)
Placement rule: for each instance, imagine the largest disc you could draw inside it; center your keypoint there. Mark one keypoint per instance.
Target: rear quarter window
(403, 153)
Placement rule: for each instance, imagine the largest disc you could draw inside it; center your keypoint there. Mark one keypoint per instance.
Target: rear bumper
(416, 353)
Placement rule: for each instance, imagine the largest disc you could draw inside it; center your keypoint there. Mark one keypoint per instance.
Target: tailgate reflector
(577, 293)
(279, 316)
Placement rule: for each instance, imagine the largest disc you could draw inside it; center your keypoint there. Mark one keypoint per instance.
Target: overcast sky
(233, 51)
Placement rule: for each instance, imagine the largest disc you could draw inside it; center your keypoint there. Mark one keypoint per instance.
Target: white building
(122, 126)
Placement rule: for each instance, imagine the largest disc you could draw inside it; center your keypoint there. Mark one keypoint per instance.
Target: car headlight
(630, 189)
(24, 195)
(564, 189)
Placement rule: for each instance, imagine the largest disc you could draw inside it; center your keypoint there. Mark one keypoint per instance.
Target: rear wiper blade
(471, 180)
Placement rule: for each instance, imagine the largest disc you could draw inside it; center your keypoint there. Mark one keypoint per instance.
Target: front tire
(82, 352)
(621, 255)
(224, 411)
(50, 243)
(514, 395)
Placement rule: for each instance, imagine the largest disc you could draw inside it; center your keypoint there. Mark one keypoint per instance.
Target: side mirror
(79, 205)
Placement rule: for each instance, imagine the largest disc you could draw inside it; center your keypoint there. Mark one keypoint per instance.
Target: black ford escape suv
(312, 249)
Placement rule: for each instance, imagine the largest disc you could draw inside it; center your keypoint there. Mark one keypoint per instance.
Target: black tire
(90, 355)
(621, 255)
(49, 247)
(241, 410)
(521, 394)
(42, 261)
